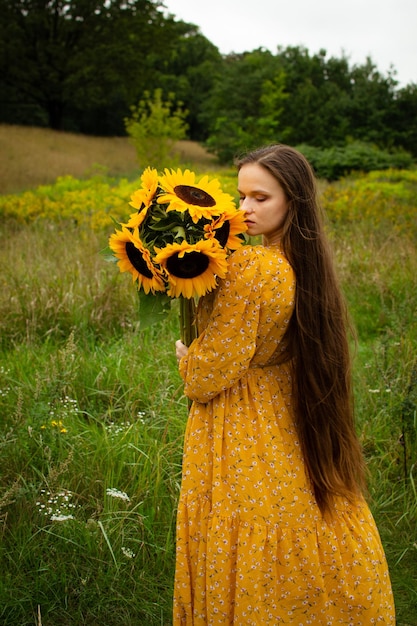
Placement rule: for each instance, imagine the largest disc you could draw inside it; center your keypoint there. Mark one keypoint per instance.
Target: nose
(245, 205)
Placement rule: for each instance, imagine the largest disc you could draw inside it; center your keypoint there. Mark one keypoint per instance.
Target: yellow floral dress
(252, 546)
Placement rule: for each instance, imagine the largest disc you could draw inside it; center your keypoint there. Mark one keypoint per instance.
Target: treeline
(80, 65)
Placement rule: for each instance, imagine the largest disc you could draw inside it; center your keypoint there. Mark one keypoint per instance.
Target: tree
(81, 55)
(245, 105)
(190, 72)
(298, 98)
(316, 87)
(403, 121)
(154, 128)
(370, 106)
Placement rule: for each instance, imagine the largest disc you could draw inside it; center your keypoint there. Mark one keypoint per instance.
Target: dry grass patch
(37, 156)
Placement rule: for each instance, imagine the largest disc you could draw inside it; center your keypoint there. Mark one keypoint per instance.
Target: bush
(333, 163)
(154, 129)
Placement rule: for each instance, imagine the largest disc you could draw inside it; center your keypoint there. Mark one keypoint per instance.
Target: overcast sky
(385, 30)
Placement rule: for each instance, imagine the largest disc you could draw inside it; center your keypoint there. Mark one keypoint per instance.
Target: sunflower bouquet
(176, 243)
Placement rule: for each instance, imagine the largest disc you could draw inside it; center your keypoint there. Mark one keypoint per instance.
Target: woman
(272, 526)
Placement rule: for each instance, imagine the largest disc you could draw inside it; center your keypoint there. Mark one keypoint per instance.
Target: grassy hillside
(36, 156)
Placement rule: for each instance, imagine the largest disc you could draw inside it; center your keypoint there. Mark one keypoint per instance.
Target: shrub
(333, 163)
(154, 128)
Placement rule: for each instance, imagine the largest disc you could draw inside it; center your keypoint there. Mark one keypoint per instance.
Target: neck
(271, 241)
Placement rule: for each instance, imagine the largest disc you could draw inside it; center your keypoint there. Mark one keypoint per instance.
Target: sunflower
(202, 199)
(226, 229)
(142, 198)
(136, 259)
(192, 269)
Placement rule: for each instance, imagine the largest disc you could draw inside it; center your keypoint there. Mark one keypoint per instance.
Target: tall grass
(92, 421)
(87, 403)
(379, 271)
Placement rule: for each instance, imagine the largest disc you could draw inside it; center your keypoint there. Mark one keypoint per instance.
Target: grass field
(91, 407)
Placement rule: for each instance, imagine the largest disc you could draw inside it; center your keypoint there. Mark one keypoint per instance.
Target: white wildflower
(115, 493)
(56, 505)
(118, 428)
(61, 518)
(128, 553)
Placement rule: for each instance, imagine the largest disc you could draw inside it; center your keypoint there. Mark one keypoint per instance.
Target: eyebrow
(254, 191)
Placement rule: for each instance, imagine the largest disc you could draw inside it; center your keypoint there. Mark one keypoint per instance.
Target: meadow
(92, 408)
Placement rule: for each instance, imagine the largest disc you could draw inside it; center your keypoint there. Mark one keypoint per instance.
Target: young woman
(272, 526)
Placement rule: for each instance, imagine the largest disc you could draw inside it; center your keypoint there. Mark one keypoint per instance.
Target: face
(263, 202)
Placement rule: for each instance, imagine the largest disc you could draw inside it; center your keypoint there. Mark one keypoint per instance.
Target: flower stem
(187, 320)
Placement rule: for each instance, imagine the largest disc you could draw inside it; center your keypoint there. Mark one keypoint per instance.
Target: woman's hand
(180, 350)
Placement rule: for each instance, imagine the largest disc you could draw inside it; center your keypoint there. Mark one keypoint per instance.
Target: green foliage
(333, 163)
(405, 133)
(92, 414)
(107, 54)
(231, 137)
(244, 108)
(310, 100)
(154, 127)
(152, 310)
(190, 73)
(104, 55)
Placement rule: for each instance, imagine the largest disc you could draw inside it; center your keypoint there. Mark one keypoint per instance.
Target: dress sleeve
(220, 356)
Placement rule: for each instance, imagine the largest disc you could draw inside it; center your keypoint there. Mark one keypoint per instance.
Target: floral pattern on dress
(252, 546)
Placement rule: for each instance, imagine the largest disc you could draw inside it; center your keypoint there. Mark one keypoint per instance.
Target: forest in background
(80, 65)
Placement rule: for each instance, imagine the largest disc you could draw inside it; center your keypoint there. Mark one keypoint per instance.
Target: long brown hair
(317, 335)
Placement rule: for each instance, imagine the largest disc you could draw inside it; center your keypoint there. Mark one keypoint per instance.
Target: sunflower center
(136, 258)
(194, 195)
(222, 234)
(190, 265)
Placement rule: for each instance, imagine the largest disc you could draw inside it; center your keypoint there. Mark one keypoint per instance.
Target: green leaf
(115, 221)
(108, 255)
(178, 232)
(165, 223)
(152, 308)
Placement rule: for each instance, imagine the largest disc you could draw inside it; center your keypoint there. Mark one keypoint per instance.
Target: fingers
(180, 350)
